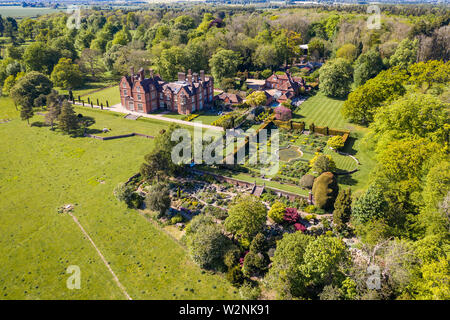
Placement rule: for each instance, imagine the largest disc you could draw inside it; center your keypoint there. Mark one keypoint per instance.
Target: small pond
(290, 153)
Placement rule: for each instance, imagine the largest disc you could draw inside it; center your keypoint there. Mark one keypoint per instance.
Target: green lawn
(112, 95)
(323, 111)
(117, 125)
(85, 89)
(206, 118)
(40, 171)
(174, 115)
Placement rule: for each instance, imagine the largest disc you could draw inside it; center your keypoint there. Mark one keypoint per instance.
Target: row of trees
(222, 42)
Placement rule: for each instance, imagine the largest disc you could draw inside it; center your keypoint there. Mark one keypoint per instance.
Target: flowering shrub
(190, 117)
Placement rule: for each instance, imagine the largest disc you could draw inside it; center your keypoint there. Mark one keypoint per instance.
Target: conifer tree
(68, 121)
(342, 209)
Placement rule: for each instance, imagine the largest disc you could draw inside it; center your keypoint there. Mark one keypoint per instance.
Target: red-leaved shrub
(299, 227)
(291, 215)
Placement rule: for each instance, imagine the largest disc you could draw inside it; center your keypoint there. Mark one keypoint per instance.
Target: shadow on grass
(39, 124)
(349, 146)
(347, 179)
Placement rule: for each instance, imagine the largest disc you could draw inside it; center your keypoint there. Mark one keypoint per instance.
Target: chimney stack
(132, 71)
(202, 75)
(195, 75)
(181, 76)
(190, 76)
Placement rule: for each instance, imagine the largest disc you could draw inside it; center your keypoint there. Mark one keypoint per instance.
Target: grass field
(85, 89)
(323, 111)
(206, 118)
(18, 11)
(117, 125)
(112, 95)
(42, 170)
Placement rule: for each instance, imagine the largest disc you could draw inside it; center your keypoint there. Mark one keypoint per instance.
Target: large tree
(246, 217)
(66, 74)
(418, 115)
(224, 64)
(158, 198)
(362, 104)
(405, 54)
(38, 56)
(27, 90)
(367, 66)
(207, 246)
(285, 275)
(336, 77)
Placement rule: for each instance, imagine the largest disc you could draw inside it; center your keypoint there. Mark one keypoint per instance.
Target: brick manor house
(190, 93)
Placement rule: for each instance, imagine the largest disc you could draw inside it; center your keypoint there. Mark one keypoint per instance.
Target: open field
(112, 95)
(85, 89)
(42, 170)
(18, 11)
(323, 111)
(117, 125)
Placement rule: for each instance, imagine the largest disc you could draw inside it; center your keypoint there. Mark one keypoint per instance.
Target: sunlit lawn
(112, 95)
(41, 170)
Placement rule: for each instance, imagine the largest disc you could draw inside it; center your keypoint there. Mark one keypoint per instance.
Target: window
(138, 89)
(140, 108)
(125, 92)
(139, 97)
(192, 99)
(124, 85)
(153, 95)
(161, 95)
(131, 105)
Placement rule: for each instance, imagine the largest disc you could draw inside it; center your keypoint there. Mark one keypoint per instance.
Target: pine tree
(342, 209)
(68, 121)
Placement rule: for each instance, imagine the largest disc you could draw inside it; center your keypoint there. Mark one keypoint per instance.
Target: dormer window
(138, 89)
(124, 85)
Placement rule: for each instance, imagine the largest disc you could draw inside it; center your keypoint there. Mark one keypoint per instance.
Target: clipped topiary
(325, 191)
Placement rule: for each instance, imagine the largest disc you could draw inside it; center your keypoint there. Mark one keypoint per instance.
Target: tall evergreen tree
(342, 209)
(68, 120)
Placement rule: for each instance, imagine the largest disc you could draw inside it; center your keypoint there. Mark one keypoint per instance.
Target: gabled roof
(232, 97)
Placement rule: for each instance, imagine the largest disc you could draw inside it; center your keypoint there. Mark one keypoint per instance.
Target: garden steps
(258, 190)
